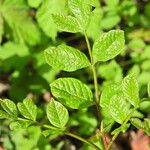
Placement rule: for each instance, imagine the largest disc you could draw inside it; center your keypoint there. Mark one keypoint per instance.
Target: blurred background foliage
(26, 29)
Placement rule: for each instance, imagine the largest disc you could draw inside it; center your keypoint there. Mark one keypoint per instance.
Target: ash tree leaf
(108, 92)
(108, 45)
(66, 23)
(9, 106)
(72, 92)
(119, 108)
(66, 58)
(82, 11)
(131, 90)
(28, 109)
(57, 114)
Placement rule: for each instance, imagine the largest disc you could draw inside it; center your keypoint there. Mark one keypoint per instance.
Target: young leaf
(82, 11)
(34, 4)
(119, 108)
(66, 23)
(66, 58)
(72, 92)
(44, 16)
(17, 17)
(122, 128)
(57, 114)
(9, 106)
(20, 124)
(28, 109)
(147, 126)
(4, 115)
(131, 90)
(137, 123)
(108, 45)
(108, 92)
(145, 105)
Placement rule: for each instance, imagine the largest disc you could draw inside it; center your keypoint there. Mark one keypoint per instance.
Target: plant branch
(94, 76)
(73, 135)
(82, 140)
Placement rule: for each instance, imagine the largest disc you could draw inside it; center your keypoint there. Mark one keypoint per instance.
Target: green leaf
(4, 115)
(147, 126)
(148, 89)
(122, 128)
(10, 49)
(66, 58)
(94, 24)
(34, 3)
(108, 92)
(44, 16)
(66, 23)
(111, 71)
(107, 121)
(57, 114)
(20, 124)
(28, 109)
(131, 90)
(82, 11)
(16, 15)
(108, 45)
(109, 22)
(72, 92)
(145, 105)
(119, 108)
(9, 106)
(137, 123)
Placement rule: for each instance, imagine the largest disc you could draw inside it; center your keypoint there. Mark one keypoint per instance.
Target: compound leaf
(72, 92)
(66, 23)
(119, 108)
(28, 109)
(9, 106)
(108, 45)
(131, 90)
(57, 114)
(66, 58)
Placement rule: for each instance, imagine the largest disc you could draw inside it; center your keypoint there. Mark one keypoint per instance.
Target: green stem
(94, 76)
(73, 135)
(116, 135)
(97, 99)
(83, 140)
